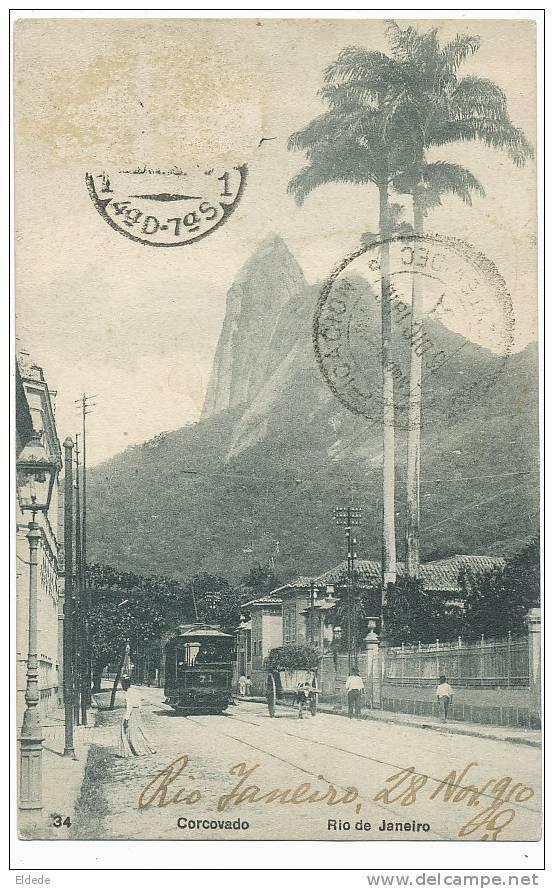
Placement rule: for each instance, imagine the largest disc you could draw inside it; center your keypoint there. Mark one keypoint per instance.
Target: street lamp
(337, 638)
(35, 477)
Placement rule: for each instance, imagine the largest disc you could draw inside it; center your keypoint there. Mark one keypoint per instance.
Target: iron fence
(493, 663)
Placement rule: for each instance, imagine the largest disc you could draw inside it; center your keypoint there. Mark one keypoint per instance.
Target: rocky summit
(251, 339)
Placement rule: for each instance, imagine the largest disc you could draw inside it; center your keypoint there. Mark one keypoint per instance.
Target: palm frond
(347, 164)
(443, 177)
(494, 133)
(352, 93)
(395, 35)
(402, 41)
(479, 97)
(307, 180)
(456, 51)
(428, 182)
(322, 130)
(358, 64)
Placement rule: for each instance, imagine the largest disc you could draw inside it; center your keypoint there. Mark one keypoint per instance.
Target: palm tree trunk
(414, 415)
(388, 565)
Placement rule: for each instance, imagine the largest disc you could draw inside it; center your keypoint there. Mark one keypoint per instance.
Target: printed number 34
(60, 821)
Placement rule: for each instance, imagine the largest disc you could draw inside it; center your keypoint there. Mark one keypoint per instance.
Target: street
(242, 775)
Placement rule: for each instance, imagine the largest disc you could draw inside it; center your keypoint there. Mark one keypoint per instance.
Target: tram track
(373, 759)
(318, 776)
(392, 812)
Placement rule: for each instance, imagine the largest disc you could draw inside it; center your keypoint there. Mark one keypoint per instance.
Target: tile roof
(263, 600)
(441, 574)
(299, 583)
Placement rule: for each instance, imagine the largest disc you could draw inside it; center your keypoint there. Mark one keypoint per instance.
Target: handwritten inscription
(161, 792)
(495, 799)
(302, 793)
(492, 798)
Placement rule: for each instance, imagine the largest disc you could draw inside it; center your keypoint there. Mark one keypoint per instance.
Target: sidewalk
(62, 776)
(528, 737)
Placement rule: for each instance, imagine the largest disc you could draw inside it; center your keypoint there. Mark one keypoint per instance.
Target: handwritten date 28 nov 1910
(496, 798)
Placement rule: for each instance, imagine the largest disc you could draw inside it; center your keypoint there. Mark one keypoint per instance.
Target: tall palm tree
(357, 140)
(426, 185)
(443, 109)
(385, 112)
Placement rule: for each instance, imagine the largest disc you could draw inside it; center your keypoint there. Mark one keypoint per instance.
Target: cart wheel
(313, 704)
(271, 695)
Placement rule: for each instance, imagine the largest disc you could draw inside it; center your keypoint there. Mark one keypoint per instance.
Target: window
(289, 623)
(256, 636)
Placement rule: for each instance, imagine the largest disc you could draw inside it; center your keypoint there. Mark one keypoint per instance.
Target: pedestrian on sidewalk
(132, 739)
(354, 690)
(248, 686)
(444, 696)
(242, 685)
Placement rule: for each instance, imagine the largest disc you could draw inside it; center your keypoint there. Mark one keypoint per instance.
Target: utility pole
(77, 641)
(312, 606)
(350, 516)
(85, 405)
(69, 749)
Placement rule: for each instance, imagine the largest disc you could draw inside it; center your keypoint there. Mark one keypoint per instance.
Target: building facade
(35, 413)
(243, 653)
(266, 631)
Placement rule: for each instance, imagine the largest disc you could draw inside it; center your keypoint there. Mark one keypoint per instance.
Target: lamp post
(68, 692)
(337, 638)
(36, 474)
(350, 516)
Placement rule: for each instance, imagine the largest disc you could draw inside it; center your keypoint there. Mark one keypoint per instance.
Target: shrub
(292, 657)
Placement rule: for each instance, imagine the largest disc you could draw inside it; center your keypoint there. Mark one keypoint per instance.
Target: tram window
(192, 654)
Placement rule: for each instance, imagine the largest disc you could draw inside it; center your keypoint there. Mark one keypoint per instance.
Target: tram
(199, 669)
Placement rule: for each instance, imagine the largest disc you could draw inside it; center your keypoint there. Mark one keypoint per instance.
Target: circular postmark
(166, 207)
(444, 358)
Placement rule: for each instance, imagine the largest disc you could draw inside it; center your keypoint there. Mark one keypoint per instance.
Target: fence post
(371, 644)
(482, 657)
(402, 664)
(534, 637)
(509, 656)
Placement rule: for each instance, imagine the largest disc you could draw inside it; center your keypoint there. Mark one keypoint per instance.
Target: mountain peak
(268, 280)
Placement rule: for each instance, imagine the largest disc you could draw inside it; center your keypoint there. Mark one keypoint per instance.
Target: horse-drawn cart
(293, 686)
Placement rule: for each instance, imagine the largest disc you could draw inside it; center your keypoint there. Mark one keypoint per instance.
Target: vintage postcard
(277, 429)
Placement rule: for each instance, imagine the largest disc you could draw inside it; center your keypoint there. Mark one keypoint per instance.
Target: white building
(35, 412)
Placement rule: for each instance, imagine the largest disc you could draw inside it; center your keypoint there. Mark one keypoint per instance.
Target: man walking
(354, 689)
(444, 696)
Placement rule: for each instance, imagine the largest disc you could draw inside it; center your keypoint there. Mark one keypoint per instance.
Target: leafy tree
(522, 575)
(127, 607)
(497, 602)
(353, 612)
(205, 592)
(259, 581)
(215, 601)
(413, 614)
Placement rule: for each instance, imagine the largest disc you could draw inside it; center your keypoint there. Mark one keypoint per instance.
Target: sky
(137, 326)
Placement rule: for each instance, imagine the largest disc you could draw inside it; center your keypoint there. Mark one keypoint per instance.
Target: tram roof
(200, 630)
